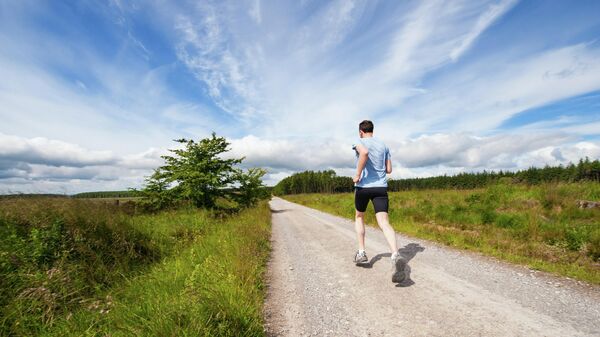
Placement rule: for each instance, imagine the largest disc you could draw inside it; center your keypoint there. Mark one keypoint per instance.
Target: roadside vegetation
(76, 267)
(176, 262)
(541, 226)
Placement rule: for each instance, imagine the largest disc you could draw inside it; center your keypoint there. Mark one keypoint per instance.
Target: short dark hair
(366, 126)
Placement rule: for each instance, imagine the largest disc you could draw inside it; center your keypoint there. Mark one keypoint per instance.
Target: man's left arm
(388, 161)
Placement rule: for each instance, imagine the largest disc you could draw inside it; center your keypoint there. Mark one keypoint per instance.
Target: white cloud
(51, 152)
(291, 154)
(32, 164)
(28, 164)
(422, 156)
(469, 151)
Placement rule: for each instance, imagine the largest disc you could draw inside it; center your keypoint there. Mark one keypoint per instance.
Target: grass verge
(181, 273)
(537, 226)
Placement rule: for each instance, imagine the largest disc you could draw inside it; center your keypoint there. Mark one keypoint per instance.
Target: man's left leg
(384, 223)
(398, 262)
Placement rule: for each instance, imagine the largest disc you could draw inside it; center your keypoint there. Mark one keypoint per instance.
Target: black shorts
(378, 195)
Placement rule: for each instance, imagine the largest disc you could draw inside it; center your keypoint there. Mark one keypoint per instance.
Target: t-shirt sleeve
(388, 156)
(356, 143)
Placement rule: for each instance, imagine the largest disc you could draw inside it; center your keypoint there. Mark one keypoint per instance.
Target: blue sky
(93, 92)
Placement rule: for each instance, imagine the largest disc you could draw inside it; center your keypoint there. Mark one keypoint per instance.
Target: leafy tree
(199, 173)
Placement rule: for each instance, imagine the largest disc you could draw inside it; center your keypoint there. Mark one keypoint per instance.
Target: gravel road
(315, 289)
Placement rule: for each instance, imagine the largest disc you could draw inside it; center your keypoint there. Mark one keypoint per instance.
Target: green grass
(538, 226)
(183, 272)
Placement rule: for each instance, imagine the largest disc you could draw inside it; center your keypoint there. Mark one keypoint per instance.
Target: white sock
(361, 251)
(394, 255)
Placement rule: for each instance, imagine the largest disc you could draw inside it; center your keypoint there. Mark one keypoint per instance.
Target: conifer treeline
(107, 194)
(313, 182)
(328, 182)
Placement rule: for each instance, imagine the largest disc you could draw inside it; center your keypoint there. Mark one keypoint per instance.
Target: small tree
(250, 188)
(199, 174)
(156, 194)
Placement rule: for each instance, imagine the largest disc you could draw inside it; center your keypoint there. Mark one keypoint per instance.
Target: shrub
(575, 237)
(488, 215)
(594, 245)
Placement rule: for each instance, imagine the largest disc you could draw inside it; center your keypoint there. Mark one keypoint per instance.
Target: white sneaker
(398, 268)
(360, 258)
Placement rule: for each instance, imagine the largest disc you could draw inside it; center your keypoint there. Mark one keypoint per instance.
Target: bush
(594, 245)
(488, 215)
(575, 237)
(508, 221)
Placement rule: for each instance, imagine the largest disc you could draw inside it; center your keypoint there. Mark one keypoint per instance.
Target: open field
(538, 226)
(76, 267)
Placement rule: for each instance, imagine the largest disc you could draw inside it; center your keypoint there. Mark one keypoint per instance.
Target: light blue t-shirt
(373, 174)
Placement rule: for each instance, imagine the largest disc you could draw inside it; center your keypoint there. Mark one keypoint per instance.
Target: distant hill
(32, 195)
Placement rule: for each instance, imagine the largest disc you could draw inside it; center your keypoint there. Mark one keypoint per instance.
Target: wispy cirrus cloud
(491, 14)
(481, 96)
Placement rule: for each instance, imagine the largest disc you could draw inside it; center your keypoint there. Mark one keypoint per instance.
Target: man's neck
(367, 135)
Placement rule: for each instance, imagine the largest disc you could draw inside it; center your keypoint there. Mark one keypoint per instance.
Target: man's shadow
(278, 210)
(407, 252)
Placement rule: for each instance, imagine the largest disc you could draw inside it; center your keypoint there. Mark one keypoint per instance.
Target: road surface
(315, 289)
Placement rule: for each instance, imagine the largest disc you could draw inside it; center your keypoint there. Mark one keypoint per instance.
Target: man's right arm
(363, 155)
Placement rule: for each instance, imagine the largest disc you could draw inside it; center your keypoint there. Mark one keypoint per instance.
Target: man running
(370, 181)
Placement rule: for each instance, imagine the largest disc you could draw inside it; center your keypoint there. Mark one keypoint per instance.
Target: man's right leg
(360, 203)
(359, 226)
(381, 205)
(361, 256)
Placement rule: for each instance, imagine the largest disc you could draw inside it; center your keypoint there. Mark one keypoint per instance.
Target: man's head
(365, 127)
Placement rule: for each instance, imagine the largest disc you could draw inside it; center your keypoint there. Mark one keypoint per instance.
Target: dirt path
(315, 289)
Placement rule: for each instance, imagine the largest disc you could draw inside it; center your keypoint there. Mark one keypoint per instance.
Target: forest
(328, 182)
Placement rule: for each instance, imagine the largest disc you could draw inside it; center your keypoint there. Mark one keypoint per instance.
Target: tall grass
(73, 268)
(539, 226)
